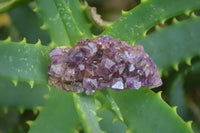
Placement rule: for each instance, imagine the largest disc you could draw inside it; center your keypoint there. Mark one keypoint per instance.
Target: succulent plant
(167, 30)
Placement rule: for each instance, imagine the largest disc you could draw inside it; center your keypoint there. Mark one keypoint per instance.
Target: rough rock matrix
(102, 63)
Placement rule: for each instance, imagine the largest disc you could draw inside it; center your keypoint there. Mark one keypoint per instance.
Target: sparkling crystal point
(117, 84)
(107, 63)
(131, 68)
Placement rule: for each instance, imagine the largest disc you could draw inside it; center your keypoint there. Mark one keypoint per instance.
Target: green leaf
(28, 25)
(21, 96)
(58, 116)
(107, 102)
(144, 111)
(107, 123)
(177, 95)
(68, 21)
(86, 109)
(176, 43)
(24, 62)
(52, 22)
(79, 17)
(135, 23)
(62, 23)
(6, 5)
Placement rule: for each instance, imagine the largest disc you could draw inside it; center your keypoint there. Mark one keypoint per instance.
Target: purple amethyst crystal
(102, 63)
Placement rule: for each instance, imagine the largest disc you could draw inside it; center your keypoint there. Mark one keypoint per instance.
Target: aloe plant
(24, 66)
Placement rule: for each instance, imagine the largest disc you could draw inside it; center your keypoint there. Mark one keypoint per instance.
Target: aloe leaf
(107, 102)
(59, 21)
(86, 109)
(28, 25)
(59, 115)
(24, 62)
(135, 23)
(108, 125)
(176, 43)
(79, 17)
(21, 96)
(68, 21)
(52, 22)
(6, 5)
(177, 96)
(144, 111)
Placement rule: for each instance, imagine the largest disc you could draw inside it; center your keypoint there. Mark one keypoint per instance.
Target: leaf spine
(82, 34)
(31, 83)
(8, 39)
(189, 123)
(144, 34)
(124, 13)
(30, 123)
(160, 72)
(163, 21)
(43, 27)
(35, 111)
(107, 25)
(188, 61)
(52, 44)
(49, 87)
(114, 119)
(143, 1)
(176, 67)
(175, 21)
(39, 108)
(187, 13)
(94, 36)
(193, 15)
(174, 109)
(128, 130)
(157, 28)
(84, 6)
(99, 119)
(36, 9)
(23, 40)
(38, 43)
(159, 94)
(15, 82)
(21, 110)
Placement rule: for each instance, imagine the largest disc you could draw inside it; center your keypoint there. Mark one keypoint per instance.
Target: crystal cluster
(102, 63)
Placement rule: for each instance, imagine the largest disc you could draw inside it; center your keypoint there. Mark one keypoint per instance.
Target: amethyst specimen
(102, 63)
